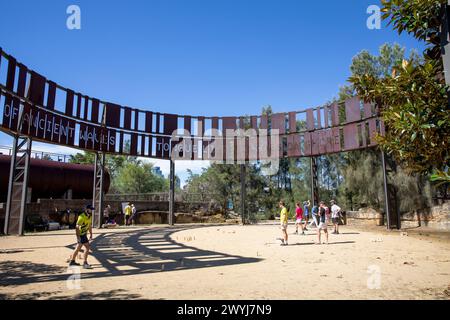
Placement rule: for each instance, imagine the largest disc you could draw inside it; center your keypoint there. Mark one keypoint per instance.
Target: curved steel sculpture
(35, 108)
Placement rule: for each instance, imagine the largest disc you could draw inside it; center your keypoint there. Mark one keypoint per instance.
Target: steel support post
(172, 193)
(314, 179)
(98, 194)
(386, 191)
(18, 186)
(243, 193)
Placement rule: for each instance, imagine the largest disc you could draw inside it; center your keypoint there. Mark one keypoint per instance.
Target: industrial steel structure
(34, 108)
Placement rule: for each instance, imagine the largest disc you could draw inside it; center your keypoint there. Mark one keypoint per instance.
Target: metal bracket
(98, 195)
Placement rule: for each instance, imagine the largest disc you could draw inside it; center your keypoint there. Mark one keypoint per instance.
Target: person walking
(298, 218)
(133, 214)
(127, 212)
(83, 226)
(322, 223)
(306, 206)
(335, 215)
(315, 216)
(283, 223)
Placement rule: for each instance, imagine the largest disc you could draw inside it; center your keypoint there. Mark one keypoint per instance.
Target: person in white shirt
(335, 214)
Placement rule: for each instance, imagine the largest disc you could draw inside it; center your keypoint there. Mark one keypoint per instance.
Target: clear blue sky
(200, 57)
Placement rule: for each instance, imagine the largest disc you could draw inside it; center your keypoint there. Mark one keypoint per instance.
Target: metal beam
(18, 186)
(98, 194)
(386, 191)
(243, 193)
(172, 193)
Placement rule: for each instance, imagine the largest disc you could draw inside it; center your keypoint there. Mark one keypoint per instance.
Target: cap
(91, 207)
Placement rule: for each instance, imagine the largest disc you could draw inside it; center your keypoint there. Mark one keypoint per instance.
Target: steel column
(386, 191)
(172, 193)
(18, 186)
(445, 40)
(98, 194)
(243, 193)
(314, 179)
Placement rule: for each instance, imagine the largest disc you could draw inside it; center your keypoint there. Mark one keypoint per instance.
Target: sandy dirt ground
(226, 262)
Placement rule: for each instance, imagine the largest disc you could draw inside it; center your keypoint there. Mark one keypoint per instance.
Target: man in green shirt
(84, 225)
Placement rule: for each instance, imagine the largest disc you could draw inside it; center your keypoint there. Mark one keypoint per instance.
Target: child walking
(298, 218)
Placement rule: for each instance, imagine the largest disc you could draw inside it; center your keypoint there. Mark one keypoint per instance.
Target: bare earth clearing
(226, 262)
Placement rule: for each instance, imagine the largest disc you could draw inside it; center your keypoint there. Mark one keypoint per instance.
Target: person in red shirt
(298, 218)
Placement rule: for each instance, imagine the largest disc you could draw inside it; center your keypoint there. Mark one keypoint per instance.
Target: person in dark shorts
(322, 223)
(335, 215)
(83, 226)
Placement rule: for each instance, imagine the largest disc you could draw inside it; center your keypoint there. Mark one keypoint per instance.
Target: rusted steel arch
(35, 108)
(59, 115)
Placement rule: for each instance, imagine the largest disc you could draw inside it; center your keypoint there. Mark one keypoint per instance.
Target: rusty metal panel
(307, 143)
(336, 139)
(158, 124)
(188, 124)
(95, 110)
(142, 153)
(27, 119)
(83, 135)
(292, 122)
(200, 126)
(111, 140)
(11, 74)
(310, 120)
(279, 122)
(352, 109)
(368, 110)
(334, 114)
(136, 119)
(127, 118)
(7, 111)
(79, 102)
(133, 144)
(229, 123)
(170, 123)
(22, 80)
(215, 123)
(69, 102)
(148, 121)
(254, 122)
(294, 145)
(86, 107)
(325, 115)
(163, 148)
(319, 118)
(120, 142)
(51, 95)
(112, 115)
(315, 141)
(323, 135)
(351, 141)
(264, 122)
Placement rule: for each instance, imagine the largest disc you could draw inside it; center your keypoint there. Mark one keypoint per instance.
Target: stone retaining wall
(437, 217)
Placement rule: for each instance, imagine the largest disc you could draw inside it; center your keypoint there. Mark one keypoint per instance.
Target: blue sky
(199, 57)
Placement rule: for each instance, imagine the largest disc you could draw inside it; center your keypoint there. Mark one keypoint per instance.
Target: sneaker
(304, 234)
(87, 266)
(73, 263)
(283, 244)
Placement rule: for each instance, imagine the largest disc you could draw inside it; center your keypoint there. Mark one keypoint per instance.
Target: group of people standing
(320, 216)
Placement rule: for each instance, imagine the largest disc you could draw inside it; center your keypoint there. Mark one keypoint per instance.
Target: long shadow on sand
(122, 254)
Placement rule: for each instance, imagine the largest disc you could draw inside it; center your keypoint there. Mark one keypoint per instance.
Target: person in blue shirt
(315, 216)
(306, 205)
